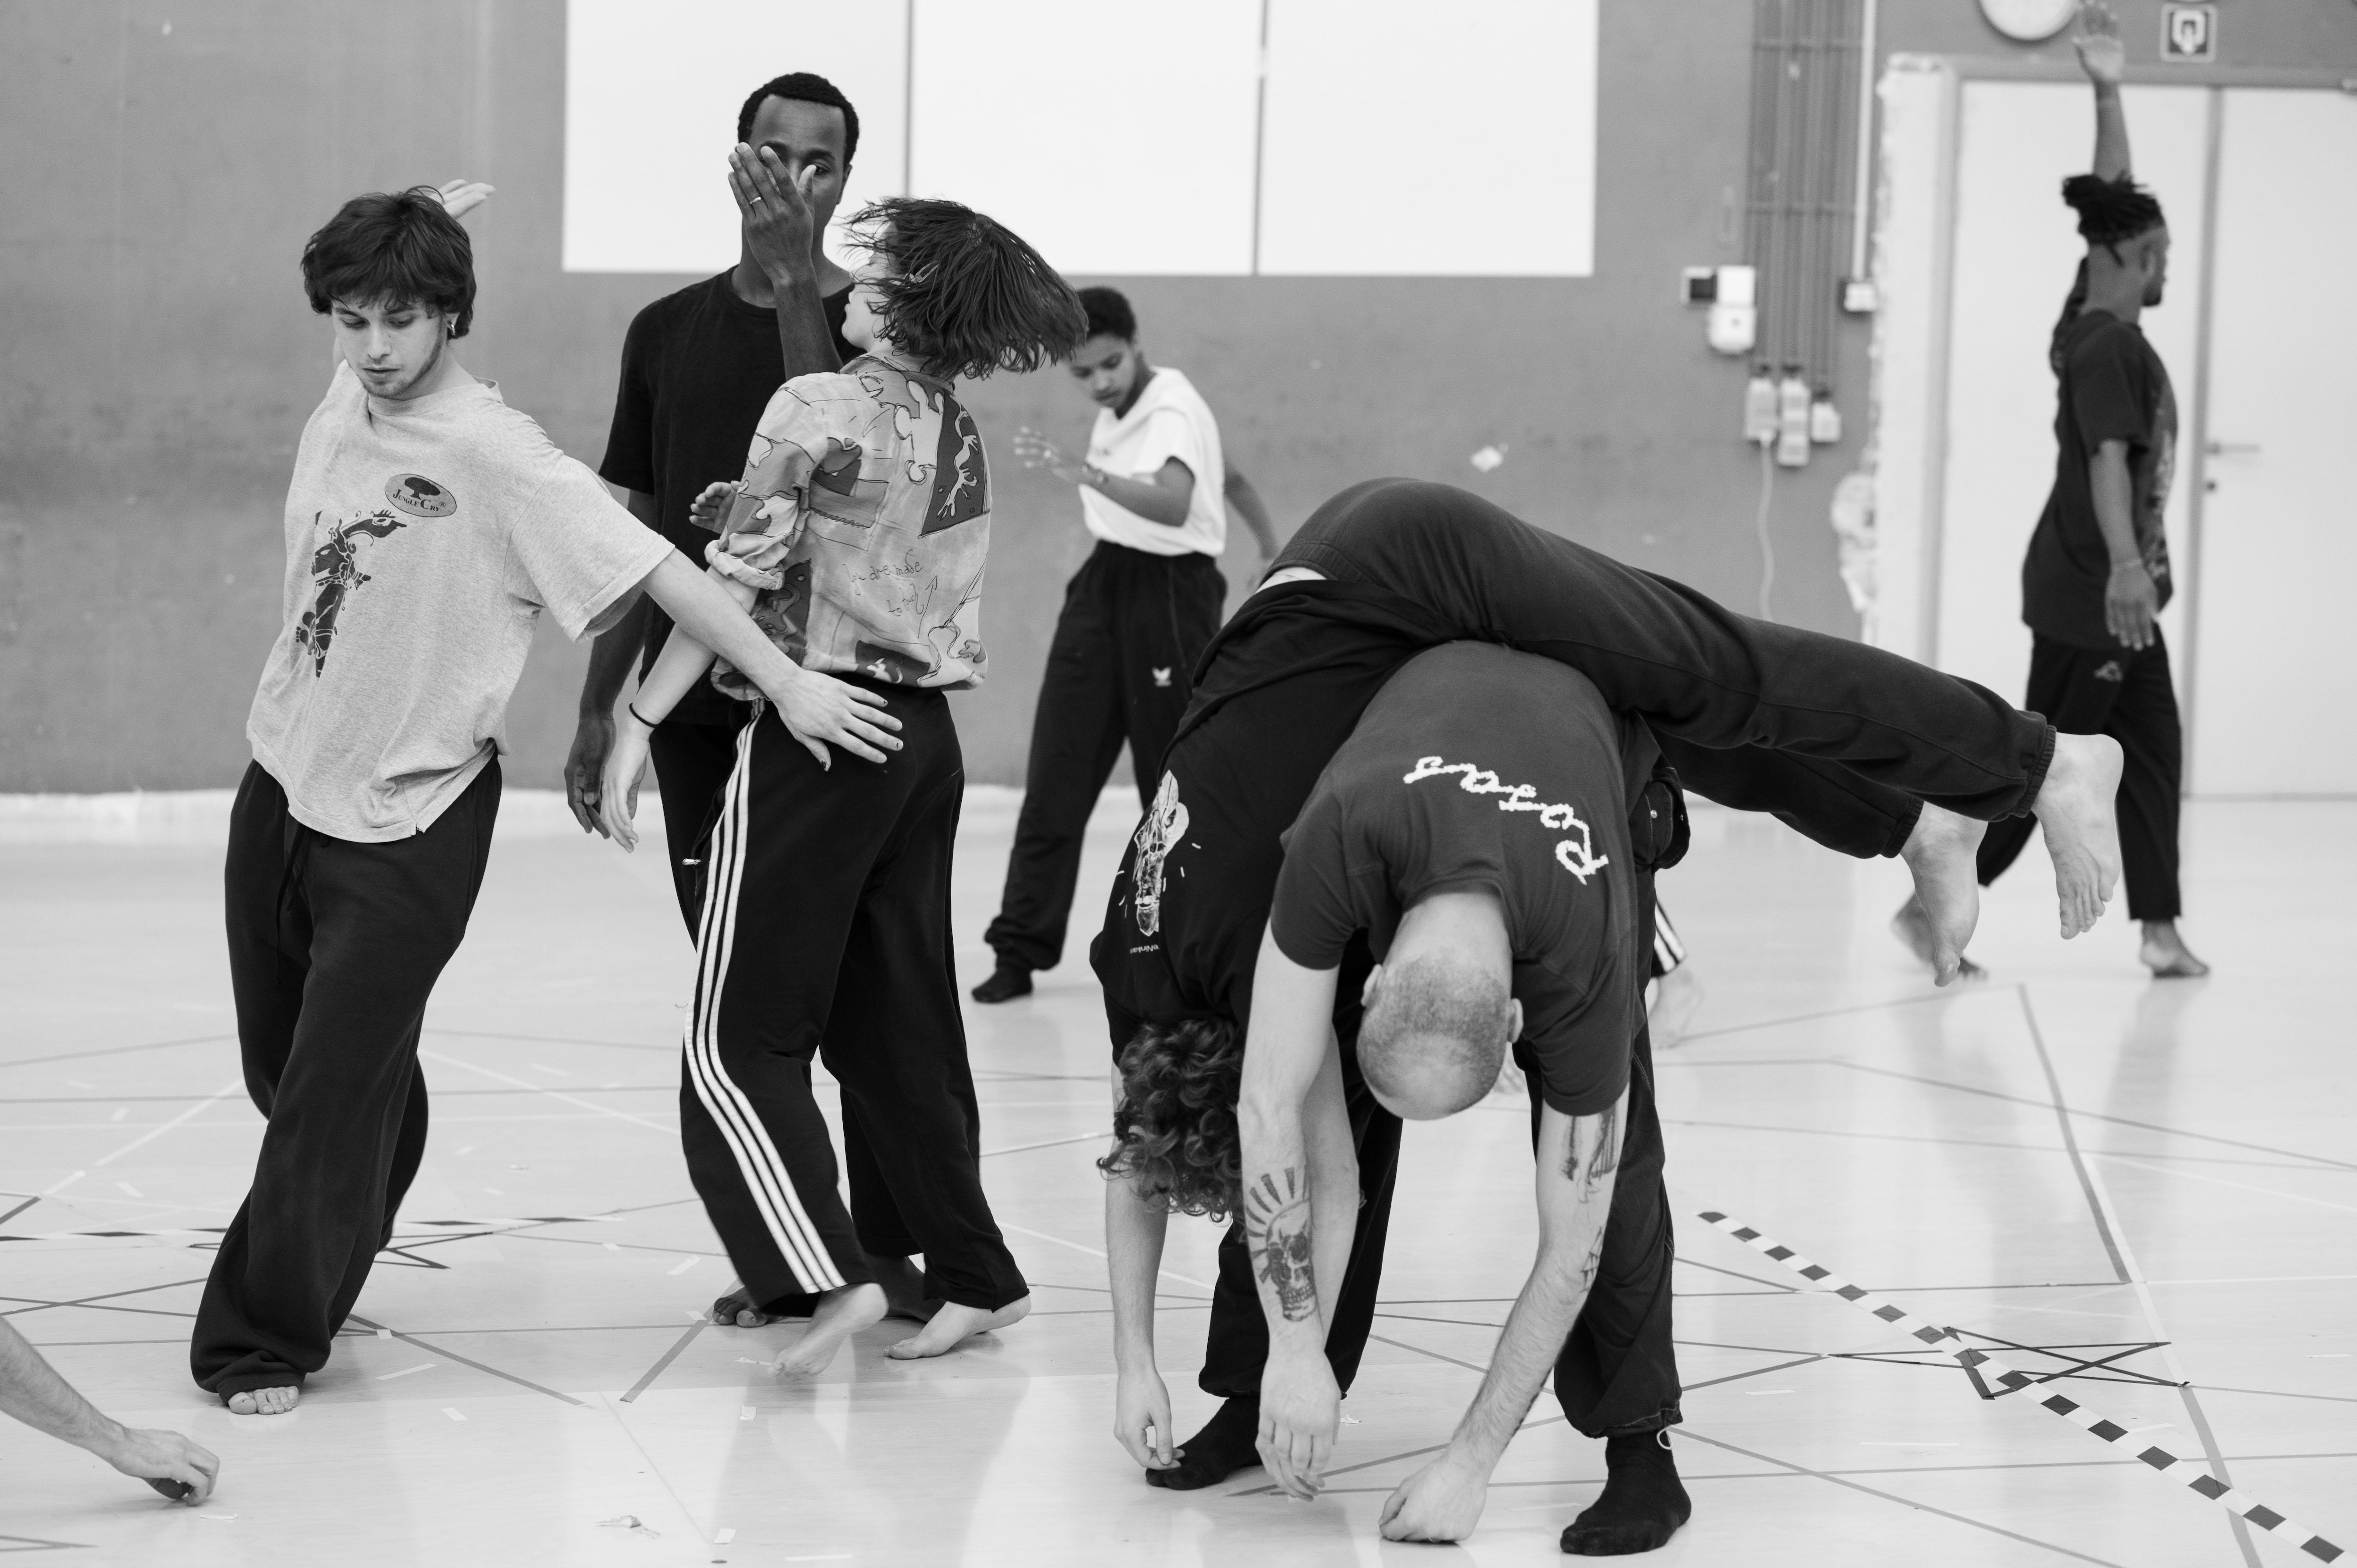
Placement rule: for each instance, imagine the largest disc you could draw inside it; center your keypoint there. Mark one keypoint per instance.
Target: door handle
(2230, 448)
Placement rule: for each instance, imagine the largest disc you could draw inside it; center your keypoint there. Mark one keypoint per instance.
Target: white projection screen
(650, 99)
(1406, 139)
(1138, 137)
(1115, 137)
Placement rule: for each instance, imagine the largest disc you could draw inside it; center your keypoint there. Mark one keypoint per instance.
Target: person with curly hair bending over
(857, 536)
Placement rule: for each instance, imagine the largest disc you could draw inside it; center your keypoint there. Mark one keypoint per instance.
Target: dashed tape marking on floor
(2187, 1472)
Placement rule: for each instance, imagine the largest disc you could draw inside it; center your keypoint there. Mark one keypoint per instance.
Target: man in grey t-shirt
(427, 527)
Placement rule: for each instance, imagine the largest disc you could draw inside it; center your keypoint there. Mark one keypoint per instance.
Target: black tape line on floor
(2186, 1473)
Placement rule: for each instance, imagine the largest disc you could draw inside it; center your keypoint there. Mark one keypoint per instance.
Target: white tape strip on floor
(2187, 1472)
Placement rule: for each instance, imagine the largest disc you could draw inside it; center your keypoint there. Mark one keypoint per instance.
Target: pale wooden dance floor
(2119, 1182)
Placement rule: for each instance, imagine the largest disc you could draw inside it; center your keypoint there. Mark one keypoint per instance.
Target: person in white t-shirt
(429, 525)
(1155, 489)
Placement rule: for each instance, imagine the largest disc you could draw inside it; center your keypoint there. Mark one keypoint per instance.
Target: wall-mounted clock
(2029, 21)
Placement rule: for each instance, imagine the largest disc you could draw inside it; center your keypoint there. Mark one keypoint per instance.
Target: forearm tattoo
(1593, 1158)
(1278, 1233)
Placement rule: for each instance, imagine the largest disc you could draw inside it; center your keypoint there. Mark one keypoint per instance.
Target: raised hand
(781, 223)
(460, 197)
(1038, 452)
(2097, 40)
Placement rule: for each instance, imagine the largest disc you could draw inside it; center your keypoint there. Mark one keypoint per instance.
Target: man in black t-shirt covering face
(698, 366)
(2097, 574)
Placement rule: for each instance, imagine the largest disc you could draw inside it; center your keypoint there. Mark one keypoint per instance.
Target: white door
(2017, 247)
(2274, 705)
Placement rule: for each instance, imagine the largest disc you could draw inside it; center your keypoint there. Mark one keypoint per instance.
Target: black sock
(1642, 1505)
(1228, 1442)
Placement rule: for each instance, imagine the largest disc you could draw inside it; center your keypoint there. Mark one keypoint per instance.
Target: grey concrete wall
(163, 163)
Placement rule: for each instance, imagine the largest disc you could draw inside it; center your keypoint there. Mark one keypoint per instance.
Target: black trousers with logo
(333, 949)
(1132, 628)
(2130, 697)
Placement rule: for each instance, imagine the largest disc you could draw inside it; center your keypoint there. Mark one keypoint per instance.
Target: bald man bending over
(1476, 832)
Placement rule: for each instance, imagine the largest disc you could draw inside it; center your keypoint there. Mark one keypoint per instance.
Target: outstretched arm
(31, 1390)
(1578, 1159)
(2101, 56)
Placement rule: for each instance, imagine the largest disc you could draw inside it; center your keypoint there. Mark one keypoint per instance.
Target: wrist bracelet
(2124, 565)
(632, 708)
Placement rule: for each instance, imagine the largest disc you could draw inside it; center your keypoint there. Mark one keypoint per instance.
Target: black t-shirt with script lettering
(1479, 768)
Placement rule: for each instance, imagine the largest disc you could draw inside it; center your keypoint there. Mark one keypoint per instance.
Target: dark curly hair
(399, 247)
(966, 295)
(1175, 1129)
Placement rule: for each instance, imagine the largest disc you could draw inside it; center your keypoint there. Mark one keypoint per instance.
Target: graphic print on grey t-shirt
(335, 567)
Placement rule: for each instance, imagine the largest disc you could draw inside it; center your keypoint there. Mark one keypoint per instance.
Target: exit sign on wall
(2189, 34)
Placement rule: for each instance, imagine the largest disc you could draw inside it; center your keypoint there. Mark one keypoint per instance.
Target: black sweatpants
(2130, 697)
(1694, 670)
(826, 934)
(333, 950)
(1132, 628)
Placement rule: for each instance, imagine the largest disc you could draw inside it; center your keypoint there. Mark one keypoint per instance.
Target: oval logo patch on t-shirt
(419, 496)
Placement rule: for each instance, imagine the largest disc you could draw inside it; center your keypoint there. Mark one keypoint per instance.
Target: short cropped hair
(1435, 1019)
(399, 247)
(1109, 314)
(962, 294)
(804, 87)
(1175, 1131)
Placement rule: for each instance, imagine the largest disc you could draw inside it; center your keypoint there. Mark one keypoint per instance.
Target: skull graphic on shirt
(1157, 836)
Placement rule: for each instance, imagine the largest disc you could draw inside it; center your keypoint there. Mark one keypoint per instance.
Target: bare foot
(2166, 954)
(1673, 1012)
(1947, 903)
(840, 1313)
(738, 1309)
(904, 1287)
(2076, 810)
(953, 1325)
(265, 1401)
(1913, 929)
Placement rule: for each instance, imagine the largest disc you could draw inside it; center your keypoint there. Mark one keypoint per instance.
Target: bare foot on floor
(2077, 810)
(904, 1287)
(738, 1309)
(840, 1313)
(1674, 1005)
(953, 1325)
(1947, 903)
(1913, 929)
(2166, 954)
(265, 1401)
